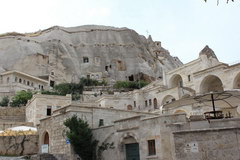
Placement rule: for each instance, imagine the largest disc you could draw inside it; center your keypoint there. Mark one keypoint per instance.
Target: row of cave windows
(24, 82)
(120, 65)
(86, 60)
(147, 103)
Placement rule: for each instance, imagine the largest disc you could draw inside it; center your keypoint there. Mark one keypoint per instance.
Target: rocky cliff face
(67, 54)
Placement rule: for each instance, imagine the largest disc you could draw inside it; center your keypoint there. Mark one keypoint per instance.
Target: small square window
(101, 122)
(85, 60)
(151, 147)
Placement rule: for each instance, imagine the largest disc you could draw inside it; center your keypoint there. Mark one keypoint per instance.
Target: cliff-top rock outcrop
(67, 54)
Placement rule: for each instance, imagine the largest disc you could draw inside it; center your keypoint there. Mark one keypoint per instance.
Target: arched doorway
(131, 146)
(155, 103)
(236, 82)
(176, 81)
(45, 143)
(211, 83)
(46, 138)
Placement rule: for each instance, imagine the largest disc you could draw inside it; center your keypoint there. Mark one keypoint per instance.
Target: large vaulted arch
(211, 83)
(236, 82)
(175, 81)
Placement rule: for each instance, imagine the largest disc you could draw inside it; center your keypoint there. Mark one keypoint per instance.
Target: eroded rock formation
(67, 54)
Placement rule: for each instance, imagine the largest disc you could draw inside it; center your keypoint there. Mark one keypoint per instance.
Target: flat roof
(24, 74)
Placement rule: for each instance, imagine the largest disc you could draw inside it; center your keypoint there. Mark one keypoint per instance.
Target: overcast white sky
(183, 26)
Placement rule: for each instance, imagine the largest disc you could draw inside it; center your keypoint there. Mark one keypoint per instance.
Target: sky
(184, 27)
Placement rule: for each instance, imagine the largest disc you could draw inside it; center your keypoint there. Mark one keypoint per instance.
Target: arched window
(129, 107)
(155, 103)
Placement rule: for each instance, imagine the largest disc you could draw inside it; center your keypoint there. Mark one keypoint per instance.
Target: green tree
(69, 88)
(81, 138)
(21, 98)
(4, 102)
(129, 84)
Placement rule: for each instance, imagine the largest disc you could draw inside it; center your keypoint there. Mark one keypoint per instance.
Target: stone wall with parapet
(220, 144)
(19, 145)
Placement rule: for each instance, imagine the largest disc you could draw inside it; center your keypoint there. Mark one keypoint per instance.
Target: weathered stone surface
(113, 53)
(19, 145)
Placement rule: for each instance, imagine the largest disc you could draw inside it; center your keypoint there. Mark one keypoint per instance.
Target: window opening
(189, 78)
(151, 147)
(49, 110)
(106, 68)
(150, 102)
(131, 78)
(52, 83)
(85, 60)
(101, 122)
(146, 103)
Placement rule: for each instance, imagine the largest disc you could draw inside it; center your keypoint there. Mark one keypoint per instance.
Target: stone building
(52, 130)
(42, 106)
(139, 128)
(203, 75)
(13, 81)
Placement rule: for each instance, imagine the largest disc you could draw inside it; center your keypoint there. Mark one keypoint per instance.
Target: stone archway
(175, 81)
(168, 99)
(211, 83)
(130, 146)
(236, 82)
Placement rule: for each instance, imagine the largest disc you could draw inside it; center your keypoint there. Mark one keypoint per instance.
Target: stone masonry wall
(209, 144)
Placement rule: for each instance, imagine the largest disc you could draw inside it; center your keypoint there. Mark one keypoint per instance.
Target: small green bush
(129, 84)
(4, 102)
(21, 98)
